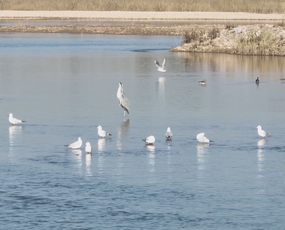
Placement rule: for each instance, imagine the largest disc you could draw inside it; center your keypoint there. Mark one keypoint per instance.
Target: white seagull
(160, 68)
(168, 134)
(123, 100)
(149, 140)
(13, 120)
(102, 133)
(261, 132)
(88, 147)
(75, 145)
(202, 139)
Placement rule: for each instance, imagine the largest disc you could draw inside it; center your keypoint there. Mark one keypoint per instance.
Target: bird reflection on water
(123, 131)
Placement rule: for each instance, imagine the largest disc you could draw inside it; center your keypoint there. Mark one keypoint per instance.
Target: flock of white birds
(125, 104)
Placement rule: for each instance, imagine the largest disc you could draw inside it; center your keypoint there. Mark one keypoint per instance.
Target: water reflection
(260, 164)
(160, 86)
(100, 163)
(15, 132)
(231, 63)
(151, 157)
(260, 155)
(122, 134)
(77, 153)
(88, 164)
(101, 145)
(202, 149)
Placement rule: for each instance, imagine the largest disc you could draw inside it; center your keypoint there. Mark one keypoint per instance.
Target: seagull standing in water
(102, 133)
(123, 100)
(13, 120)
(88, 147)
(168, 134)
(202, 139)
(160, 68)
(261, 132)
(75, 145)
(257, 80)
(149, 140)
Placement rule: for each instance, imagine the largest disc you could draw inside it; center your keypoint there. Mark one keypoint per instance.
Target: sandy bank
(131, 15)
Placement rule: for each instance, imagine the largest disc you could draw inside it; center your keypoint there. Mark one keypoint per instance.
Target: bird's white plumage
(202, 82)
(202, 139)
(76, 145)
(168, 134)
(13, 120)
(261, 132)
(149, 140)
(123, 100)
(88, 147)
(160, 68)
(102, 133)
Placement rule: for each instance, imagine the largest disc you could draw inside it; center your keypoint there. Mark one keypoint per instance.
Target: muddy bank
(127, 29)
(245, 40)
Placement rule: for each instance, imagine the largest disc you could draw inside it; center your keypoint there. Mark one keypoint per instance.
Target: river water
(65, 85)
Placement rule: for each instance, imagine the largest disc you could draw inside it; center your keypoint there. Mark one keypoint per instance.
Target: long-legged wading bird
(102, 133)
(13, 120)
(123, 100)
(75, 145)
(160, 68)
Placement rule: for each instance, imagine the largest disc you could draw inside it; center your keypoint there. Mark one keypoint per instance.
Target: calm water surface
(65, 85)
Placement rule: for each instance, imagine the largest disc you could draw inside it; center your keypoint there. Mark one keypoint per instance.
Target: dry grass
(266, 40)
(255, 6)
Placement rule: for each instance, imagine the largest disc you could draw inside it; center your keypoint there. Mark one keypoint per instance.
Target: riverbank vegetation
(253, 6)
(268, 40)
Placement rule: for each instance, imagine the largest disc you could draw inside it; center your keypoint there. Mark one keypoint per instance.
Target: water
(65, 85)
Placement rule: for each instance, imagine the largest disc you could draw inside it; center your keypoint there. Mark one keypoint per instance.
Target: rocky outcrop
(245, 40)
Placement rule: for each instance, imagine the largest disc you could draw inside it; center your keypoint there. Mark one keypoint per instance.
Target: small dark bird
(257, 80)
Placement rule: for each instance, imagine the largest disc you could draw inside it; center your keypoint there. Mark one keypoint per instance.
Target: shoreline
(140, 16)
(125, 23)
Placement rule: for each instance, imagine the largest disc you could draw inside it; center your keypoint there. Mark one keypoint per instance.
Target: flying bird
(88, 147)
(149, 140)
(102, 133)
(160, 68)
(75, 145)
(261, 132)
(168, 134)
(123, 100)
(13, 120)
(202, 139)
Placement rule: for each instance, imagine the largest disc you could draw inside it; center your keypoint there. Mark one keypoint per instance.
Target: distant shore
(210, 32)
(124, 22)
(141, 16)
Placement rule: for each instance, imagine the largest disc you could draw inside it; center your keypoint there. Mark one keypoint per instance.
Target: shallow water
(65, 85)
